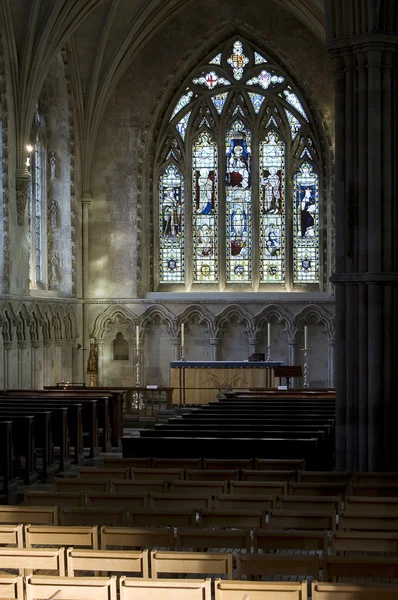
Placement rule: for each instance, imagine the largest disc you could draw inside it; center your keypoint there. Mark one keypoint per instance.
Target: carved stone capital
(292, 341)
(214, 341)
(37, 344)
(175, 341)
(22, 184)
(22, 345)
(9, 346)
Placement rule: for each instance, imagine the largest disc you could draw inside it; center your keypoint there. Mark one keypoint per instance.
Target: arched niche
(120, 347)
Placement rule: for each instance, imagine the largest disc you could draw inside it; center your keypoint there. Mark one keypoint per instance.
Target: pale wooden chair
(273, 540)
(154, 517)
(73, 588)
(345, 591)
(78, 484)
(199, 563)
(364, 541)
(266, 488)
(122, 561)
(280, 464)
(369, 505)
(294, 519)
(183, 501)
(45, 515)
(198, 487)
(336, 567)
(244, 502)
(201, 540)
(120, 486)
(241, 519)
(227, 463)
(368, 522)
(260, 590)
(123, 463)
(260, 475)
(37, 498)
(310, 503)
(56, 537)
(107, 472)
(117, 500)
(176, 463)
(26, 561)
(317, 489)
(11, 535)
(156, 474)
(253, 565)
(165, 589)
(212, 474)
(93, 516)
(11, 587)
(134, 537)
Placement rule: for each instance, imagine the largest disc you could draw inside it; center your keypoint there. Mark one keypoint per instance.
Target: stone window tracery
(37, 209)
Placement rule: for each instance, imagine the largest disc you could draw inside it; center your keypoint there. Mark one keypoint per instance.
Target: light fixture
(29, 148)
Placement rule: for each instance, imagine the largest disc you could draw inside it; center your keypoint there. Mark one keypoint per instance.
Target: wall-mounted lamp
(29, 150)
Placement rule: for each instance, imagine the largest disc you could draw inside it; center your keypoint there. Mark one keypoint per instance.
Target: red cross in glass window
(211, 80)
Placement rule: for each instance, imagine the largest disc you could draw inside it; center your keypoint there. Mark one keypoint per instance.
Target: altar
(198, 381)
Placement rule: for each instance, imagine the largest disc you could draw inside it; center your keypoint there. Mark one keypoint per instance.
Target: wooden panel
(72, 588)
(260, 590)
(344, 591)
(191, 562)
(165, 589)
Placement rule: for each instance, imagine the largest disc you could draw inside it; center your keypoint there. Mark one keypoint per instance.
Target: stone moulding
(22, 185)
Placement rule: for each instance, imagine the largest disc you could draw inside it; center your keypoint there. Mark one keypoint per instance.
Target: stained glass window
(205, 209)
(306, 225)
(171, 225)
(239, 185)
(36, 213)
(238, 200)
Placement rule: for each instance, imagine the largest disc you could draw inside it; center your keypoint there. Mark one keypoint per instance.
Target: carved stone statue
(55, 269)
(54, 214)
(53, 165)
(92, 361)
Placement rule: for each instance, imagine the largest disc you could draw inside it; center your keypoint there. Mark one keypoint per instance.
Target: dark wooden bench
(9, 483)
(23, 443)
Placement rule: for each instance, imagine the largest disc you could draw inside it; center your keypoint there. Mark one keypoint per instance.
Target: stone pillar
(331, 346)
(365, 70)
(176, 345)
(292, 342)
(37, 365)
(253, 342)
(8, 348)
(22, 185)
(22, 371)
(86, 200)
(215, 348)
(48, 362)
(100, 349)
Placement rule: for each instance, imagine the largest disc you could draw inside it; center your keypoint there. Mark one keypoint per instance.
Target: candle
(305, 337)
(137, 335)
(182, 334)
(269, 334)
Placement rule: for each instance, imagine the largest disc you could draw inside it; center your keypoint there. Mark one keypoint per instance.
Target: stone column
(22, 371)
(8, 348)
(292, 342)
(48, 362)
(215, 348)
(86, 200)
(331, 346)
(37, 365)
(253, 343)
(100, 349)
(365, 69)
(176, 345)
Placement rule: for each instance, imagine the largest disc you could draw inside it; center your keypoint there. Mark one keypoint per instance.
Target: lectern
(287, 372)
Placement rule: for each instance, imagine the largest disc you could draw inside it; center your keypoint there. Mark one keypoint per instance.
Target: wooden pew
(369, 522)
(56, 537)
(111, 500)
(134, 537)
(279, 465)
(43, 515)
(176, 463)
(364, 541)
(121, 486)
(164, 589)
(274, 540)
(317, 489)
(227, 463)
(77, 588)
(11, 535)
(369, 505)
(375, 478)
(154, 517)
(267, 488)
(310, 503)
(345, 591)
(260, 475)
(116, 462)
(212, 474)
(244, 502)
(93, 516)
(337, 477)
(49, 498)
(183, 501)
(23, 443)
(11, 587)
(9, 483)
(260, 590)
(78, 484)
(198, 487)
(373, 489)
(253, 565)
(104, 473)
(236, 518)
(292, 519)
(26, 561)
(201, 540)
(121, 561)
(199, 563)
(336, 567)
(153, 474)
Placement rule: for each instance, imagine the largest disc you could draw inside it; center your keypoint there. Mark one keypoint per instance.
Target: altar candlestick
(182, 334)
(269, 334)
(137, 335)
(305, 337)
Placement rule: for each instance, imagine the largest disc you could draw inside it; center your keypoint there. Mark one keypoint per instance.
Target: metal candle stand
(305, 368)
(138, 397)
(268, 353)
(182, 353)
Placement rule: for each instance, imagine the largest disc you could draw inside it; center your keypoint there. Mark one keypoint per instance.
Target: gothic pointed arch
(201, 315)
(109, 317)
(162, 314)
(317, 315)
(235, 313)
(274, 313)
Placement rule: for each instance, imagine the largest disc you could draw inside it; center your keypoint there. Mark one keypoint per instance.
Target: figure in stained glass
(206, 240)
(272, 244)
(239, 232)
(238, 157)
(307, 208)
(271, 183)
(205, 191)
(172, 213)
